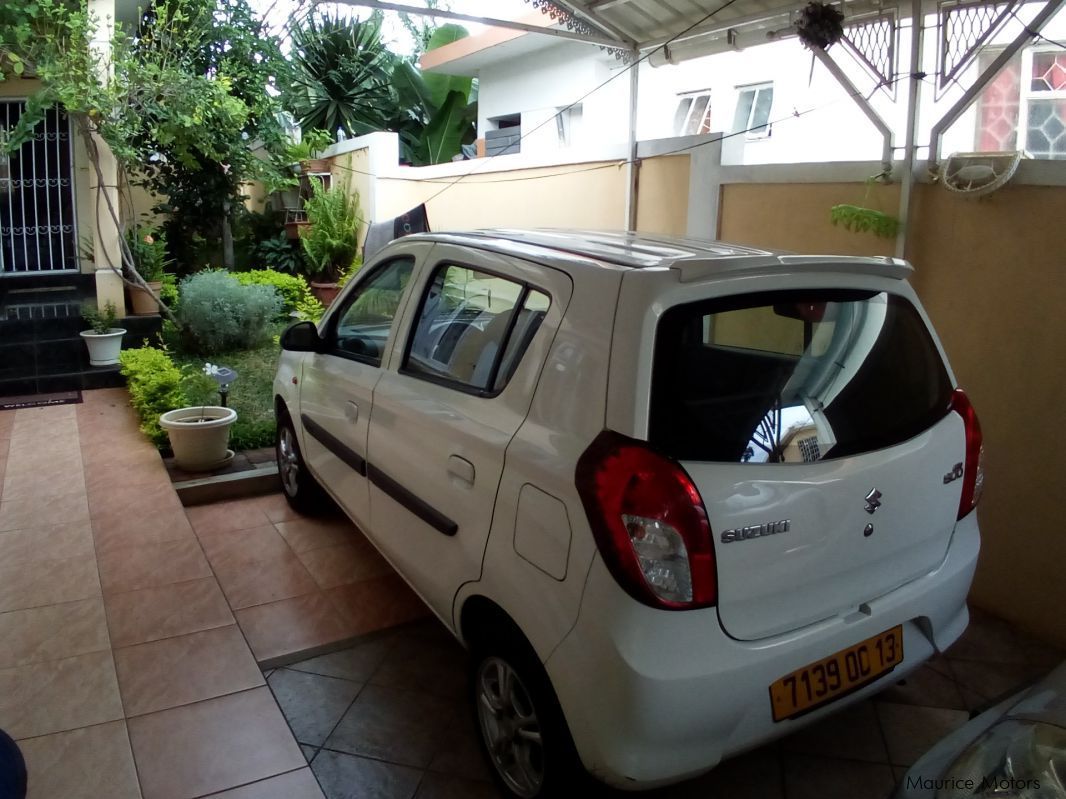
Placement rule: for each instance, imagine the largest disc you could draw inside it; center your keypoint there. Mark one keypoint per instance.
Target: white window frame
(680, 130)
(756, 88)
(1026, 93)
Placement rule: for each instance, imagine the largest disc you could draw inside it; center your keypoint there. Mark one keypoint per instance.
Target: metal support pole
(914, 91)
(863, 104)
(936, 135)
(632, 166)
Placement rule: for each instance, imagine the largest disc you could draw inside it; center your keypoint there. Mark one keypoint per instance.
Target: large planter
(199, 436)
(104, 347)
(295, 229)
(326, 293)
(315, 166)
(143, 303)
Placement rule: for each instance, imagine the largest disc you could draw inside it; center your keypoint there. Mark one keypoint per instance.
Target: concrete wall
(989, 272)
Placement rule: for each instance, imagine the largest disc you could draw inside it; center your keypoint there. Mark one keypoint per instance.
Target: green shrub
(155, 386)
(331, 241)
(168, 293)
(219, 314)
(293, 290)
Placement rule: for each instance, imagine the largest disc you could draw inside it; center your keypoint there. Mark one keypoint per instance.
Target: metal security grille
(37, 225)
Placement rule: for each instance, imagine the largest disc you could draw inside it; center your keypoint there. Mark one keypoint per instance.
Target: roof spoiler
(699, 269)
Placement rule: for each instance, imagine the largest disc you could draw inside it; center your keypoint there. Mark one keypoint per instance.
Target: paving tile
(136, 467)
(246, 545)
(25, 511)
(149, 565)
(347, 777)
(123, 530)
(38, 455)
(911, 730)
(377, 604)
(299, 784)
(755, 775)
(133, 499)
(442, 786)
(853, 732)
(42, 698)
(47, 582)
(398, 726)
(222, 517)
(424, 664)
(291, 625)
(1037, 652)
(52, 632)
(459, 752)
(212, 746)
(992, 681)
(62, 479)
(86, 763)
(927, 687)
(312, 704)
(345, 563)
(275, 506)
(7, 421)
(309, 751)
(358, 662)
(305, 534)
(823, 777)
(987, 639)
(150, 614)
(44, 426)
(185, 669)
(256, 566)
(54, 542)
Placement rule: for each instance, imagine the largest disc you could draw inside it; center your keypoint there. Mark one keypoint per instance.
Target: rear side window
(793, 377)
(473, 328)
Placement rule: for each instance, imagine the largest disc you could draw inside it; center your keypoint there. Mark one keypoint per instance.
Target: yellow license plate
(821, 682)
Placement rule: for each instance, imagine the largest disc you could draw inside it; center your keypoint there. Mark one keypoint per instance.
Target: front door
(37, 218)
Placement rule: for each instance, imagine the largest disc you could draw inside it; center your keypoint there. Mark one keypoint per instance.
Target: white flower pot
(104, 347)
(199, 436)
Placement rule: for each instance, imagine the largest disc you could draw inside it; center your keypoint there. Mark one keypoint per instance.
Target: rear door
(816, 425)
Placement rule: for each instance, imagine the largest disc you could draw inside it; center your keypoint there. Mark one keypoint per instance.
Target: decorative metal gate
(38, 233)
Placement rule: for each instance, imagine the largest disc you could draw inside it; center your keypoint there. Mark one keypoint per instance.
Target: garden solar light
(222, 375)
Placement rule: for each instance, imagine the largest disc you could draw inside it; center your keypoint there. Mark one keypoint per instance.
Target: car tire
(523, 735)
(300, 488)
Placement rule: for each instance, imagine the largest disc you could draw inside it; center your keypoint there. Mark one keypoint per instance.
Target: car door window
(473, 328)
(362, 326)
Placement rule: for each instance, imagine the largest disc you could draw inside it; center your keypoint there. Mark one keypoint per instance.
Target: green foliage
(295, 294)
(149, 249)
(331, 241)
(862, 220)
(100, 321)
(155, 387)
(351, 272)
(439, 86)
(169, 292)
(280, 254)
(218, 313)
(311, 143)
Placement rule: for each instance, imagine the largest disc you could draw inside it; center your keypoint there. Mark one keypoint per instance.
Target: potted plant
(199, 435)
(103, 338)
(331, 241)
(305, 152)
(149, 249)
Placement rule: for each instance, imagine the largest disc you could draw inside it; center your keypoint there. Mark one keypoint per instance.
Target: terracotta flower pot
(143, 303)
(104, 347)
(295, 229)
(314, 166)
(325, 292)
(199, 436)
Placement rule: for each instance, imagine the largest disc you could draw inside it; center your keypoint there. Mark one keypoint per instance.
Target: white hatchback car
(676, 497)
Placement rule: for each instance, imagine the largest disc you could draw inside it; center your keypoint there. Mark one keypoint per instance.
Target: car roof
(695, 258)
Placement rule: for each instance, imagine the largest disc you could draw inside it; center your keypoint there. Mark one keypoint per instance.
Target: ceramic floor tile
(358, 662)
(212, 746)
(47, 582)
(458, 752)
(55, 542)
(149, 565)
(139, 500)
(126, 468)
(62, 479)
(243, 546)
(43, 698)
(992, 681)
(425, 664)
(276, 508)
(312, 704)
(826, 778)
(377, 604)
(987, 639)
(291, 625)
(21, 512)
(52, 632)
(442, 786)
(151, 614)
(854, 733)
(123, 530)
(755, 775)
(925, 686)
(221, 517)
(910, 730)
(346, 563)
(300, 784)
(87, 763)
(304, 534)
(261, 579)
(185, 669)
(348, 777)
(39, 455)
(398, 726)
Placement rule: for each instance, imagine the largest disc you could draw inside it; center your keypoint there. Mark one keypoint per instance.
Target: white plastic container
(199, 435)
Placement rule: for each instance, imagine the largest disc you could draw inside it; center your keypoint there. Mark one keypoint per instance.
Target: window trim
(767, 129)
(334, 318)
(447, 382)
(705, 114)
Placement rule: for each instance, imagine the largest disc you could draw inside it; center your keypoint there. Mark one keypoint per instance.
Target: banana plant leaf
(447, 128)
(440, 85)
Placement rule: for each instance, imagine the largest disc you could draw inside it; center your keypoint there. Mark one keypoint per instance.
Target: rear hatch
(816, 426)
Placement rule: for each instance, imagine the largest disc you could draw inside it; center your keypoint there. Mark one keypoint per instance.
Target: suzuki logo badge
(873, 501)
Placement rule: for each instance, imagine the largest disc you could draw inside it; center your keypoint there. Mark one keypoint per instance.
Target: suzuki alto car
(677, 497)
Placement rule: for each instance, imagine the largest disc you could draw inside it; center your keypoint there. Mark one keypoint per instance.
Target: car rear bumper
(654, 697)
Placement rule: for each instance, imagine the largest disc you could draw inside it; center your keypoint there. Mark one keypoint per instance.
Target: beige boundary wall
(989, 271)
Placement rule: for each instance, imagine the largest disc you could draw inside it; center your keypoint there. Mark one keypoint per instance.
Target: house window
(1027, 97)
(693, 114)
(568, 124)
(754, 104)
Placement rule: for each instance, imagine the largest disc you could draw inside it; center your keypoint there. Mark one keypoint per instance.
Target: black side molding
(334, 444)
(430, 515)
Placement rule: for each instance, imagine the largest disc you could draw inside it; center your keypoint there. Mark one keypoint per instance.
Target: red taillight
(650, 524)
(973, 476)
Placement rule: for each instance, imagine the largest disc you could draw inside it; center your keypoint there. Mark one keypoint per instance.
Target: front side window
(362, 326)
(754, 104)
(693, 114)
(473, 328)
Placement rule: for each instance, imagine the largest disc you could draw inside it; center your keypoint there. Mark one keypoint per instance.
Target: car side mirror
(302, 337)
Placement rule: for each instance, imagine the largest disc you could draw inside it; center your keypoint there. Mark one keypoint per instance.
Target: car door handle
(351, 412)
(461, 468)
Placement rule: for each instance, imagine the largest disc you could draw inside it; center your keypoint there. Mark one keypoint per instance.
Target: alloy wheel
(510, 727)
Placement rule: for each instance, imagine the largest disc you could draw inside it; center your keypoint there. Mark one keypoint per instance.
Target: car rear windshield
(793, 377)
